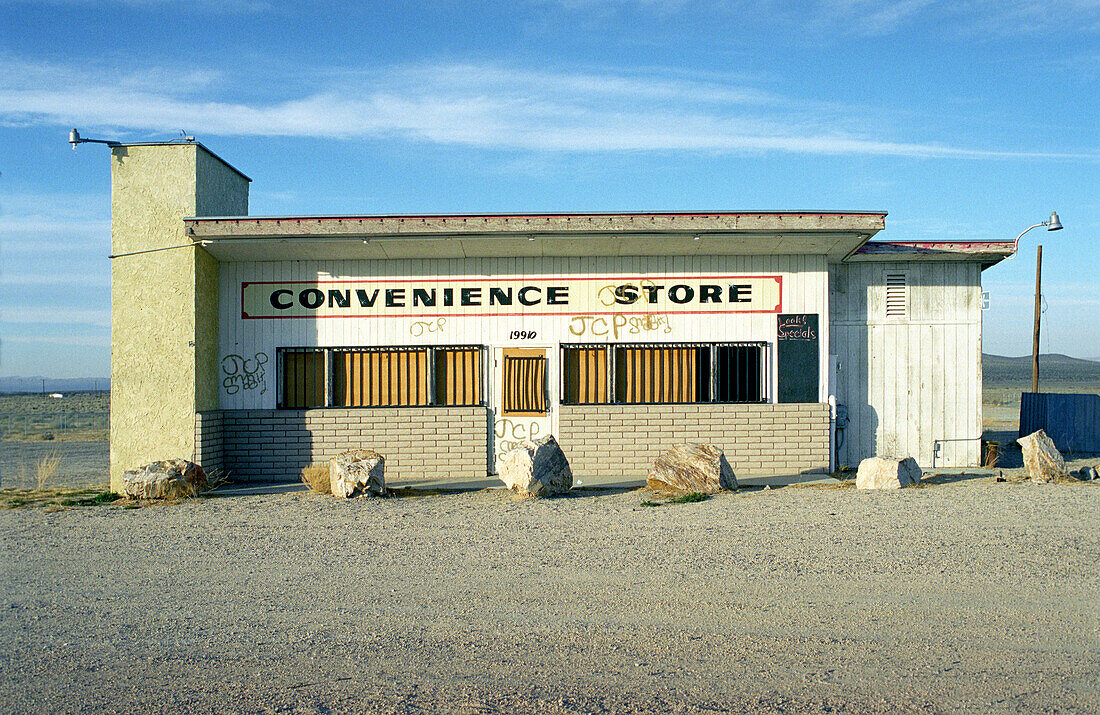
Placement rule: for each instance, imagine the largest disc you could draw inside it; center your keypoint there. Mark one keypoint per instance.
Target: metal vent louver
(895, 295)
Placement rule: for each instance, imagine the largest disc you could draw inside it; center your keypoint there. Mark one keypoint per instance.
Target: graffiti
(619, 324)
(243, 373)
(613, 293)
(511, 433)
(427, 326)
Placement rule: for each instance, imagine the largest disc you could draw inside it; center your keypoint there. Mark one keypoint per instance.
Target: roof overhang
(237, 238)
(987, 253)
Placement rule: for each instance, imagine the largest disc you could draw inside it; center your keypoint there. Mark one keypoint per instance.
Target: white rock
(169, 479)
(690, 467)
(357, 472)
(537, 469)
(1042, 459)
(887, 473)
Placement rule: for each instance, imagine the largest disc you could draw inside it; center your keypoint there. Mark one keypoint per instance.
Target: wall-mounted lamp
(75, 138)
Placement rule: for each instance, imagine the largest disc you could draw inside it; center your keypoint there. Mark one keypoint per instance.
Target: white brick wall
(418, 442)
(624, 440)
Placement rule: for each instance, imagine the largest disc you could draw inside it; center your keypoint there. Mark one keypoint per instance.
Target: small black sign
(798, 357)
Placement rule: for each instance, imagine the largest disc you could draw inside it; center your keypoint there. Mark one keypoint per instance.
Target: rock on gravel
(537, 469)
(168, 479)
(692, 467)
(357, 472)
(1043, 461)
(887, 473)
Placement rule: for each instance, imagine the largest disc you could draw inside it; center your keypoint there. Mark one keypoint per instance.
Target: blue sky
(963, 119)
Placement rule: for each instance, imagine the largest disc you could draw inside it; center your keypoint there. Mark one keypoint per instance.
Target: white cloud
(83, 280)
(96, 340)
(24, 315)
(484, 107)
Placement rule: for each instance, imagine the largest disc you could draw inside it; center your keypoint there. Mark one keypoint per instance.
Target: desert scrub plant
(315, 476)
(689, 498)
(46, 468)
(57, 498)
(647, 502)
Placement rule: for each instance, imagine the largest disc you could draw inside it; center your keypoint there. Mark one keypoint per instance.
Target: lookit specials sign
(417, 298)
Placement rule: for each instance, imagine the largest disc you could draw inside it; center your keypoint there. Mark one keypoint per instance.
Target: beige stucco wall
(163, 333)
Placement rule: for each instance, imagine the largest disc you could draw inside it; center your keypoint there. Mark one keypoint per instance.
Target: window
(660, 375)
(457, 376)
(740, 373)
(380, 377)
(585, 375)
(524, 381)
(303, 378)
(664, 373)
(393, 377)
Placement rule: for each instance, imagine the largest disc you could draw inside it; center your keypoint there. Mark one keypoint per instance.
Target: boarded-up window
(303, 378)
(524, 381)
(660, 374)
(377, 378)
(458, 376)
(739, 373)
(896, 295)
(584, 375)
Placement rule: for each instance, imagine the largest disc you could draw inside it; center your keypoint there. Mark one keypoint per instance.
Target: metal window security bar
(397, 376)
(665, 373)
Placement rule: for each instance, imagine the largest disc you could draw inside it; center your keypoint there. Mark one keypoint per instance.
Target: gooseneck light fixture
(1052, 225)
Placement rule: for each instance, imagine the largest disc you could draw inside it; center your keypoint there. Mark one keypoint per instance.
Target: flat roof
(183, 142)
(987, 252)
(831, 233)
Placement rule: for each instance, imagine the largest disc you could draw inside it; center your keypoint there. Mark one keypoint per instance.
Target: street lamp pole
(1052, 225)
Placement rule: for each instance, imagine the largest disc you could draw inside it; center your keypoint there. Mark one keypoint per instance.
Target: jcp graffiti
(511, 434)
(243, 373)
(618, 324)
(420, 327)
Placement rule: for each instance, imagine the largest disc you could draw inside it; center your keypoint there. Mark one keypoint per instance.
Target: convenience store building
(259, 345)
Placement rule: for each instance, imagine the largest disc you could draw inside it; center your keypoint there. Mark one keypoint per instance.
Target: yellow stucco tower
(164, 297)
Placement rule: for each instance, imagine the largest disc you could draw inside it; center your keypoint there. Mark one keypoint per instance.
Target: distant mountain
(997, 369)
(51, 384)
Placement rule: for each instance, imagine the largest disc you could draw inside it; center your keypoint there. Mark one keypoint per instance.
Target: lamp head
(1054, 224)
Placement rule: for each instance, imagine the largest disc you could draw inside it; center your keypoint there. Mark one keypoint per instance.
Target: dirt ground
(965, 596)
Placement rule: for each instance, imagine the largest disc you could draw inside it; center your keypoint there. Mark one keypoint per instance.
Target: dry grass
(57, 499)
(46, 469)
(315, 476)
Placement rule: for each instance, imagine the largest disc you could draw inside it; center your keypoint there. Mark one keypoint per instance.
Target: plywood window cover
(430, 387)
(523, 382)
(613, 370)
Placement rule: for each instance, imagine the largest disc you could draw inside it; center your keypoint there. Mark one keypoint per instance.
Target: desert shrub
(46, 469)
(689, 498)
(315, 476)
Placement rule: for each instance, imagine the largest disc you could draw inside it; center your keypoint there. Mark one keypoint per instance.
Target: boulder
(690, 467)
(887, 473)
(1042, 459)
(1089, 474)
(537, 469)
(357, 472)
(169, 479)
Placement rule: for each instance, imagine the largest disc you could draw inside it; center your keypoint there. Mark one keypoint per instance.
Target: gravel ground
(969, 596)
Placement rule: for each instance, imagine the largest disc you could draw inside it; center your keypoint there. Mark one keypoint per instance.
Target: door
(524, 406)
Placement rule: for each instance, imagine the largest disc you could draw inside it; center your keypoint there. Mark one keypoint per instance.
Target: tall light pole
(1052, 225)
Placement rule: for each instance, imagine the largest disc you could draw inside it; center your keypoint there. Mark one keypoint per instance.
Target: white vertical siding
(805, 290)
(913, 380)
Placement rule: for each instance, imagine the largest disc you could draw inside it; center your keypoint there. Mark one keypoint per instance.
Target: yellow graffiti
(421, 327)
(618, 324)
(606, 294)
